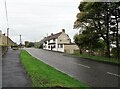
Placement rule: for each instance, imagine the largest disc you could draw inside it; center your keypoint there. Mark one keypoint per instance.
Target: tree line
(99, 25)
(32, 44)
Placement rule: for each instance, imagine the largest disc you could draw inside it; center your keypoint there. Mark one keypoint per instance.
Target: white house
(59, 42)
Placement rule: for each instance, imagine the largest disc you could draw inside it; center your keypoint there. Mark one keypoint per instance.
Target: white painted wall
(61, 49)
(56, 44)
(63, 38)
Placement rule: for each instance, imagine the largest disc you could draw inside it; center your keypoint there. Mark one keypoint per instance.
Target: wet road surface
(95, 74)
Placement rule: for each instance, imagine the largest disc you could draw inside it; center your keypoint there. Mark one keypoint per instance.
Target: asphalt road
(95, 74)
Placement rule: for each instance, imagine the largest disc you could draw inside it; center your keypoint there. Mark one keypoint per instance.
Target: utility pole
(20, 41)
(7, 37)
(7, 23)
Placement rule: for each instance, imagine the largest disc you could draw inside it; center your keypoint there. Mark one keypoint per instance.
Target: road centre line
(84, 65)
(81, 65)
(113, 74)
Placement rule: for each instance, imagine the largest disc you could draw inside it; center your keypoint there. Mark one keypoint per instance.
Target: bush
(114, 52)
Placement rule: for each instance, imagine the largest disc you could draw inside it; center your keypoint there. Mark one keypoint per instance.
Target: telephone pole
(7, 37)
(7, 23)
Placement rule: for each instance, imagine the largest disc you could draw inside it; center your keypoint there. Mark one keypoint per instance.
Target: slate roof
(53, 36)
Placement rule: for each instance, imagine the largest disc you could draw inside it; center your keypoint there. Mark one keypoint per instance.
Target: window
(49, 46)
(60, 40)
(44, 46)
(61, 45)
(45, 42)
(53, 46)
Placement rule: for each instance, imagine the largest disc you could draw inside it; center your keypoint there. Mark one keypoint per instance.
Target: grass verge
(43, 75)
(99, 58)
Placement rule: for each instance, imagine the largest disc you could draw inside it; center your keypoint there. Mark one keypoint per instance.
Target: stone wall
(4, 50)
(70, 48)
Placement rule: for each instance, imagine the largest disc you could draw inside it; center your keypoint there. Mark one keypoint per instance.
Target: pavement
(13, 73)
(95, 74)
(0, 67)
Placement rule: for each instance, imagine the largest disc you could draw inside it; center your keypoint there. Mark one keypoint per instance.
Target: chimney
(63, 30)
(51, 34)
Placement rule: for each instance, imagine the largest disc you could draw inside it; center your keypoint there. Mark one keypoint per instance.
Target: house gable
(63, 38)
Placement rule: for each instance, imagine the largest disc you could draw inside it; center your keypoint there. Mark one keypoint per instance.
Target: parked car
(15, 47)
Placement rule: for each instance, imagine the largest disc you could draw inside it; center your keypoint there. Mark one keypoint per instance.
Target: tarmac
(0, 67)
(94, 73)
(13, 73)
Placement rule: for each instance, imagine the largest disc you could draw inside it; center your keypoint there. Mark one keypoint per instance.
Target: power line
(7, 36)
(7, 23)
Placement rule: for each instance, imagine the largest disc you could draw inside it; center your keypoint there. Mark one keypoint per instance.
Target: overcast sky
(34, 19)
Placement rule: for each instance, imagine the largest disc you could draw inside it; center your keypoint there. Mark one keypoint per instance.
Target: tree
(37, 44)
(79, 39)
(98, 15)
(89, 40)
(26, 43)
(29, 44)
(115, 21)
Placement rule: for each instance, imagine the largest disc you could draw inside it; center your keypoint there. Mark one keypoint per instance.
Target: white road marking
(84, 65)
(81, 65)
(113, 74)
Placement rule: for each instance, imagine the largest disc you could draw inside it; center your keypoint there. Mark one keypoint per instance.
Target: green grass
(99, 58)
(43, 75)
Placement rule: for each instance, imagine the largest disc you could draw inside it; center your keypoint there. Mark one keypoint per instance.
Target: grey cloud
(35, 18)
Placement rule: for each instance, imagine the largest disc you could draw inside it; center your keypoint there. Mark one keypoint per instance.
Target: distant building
(59, 42)
(3, 40)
